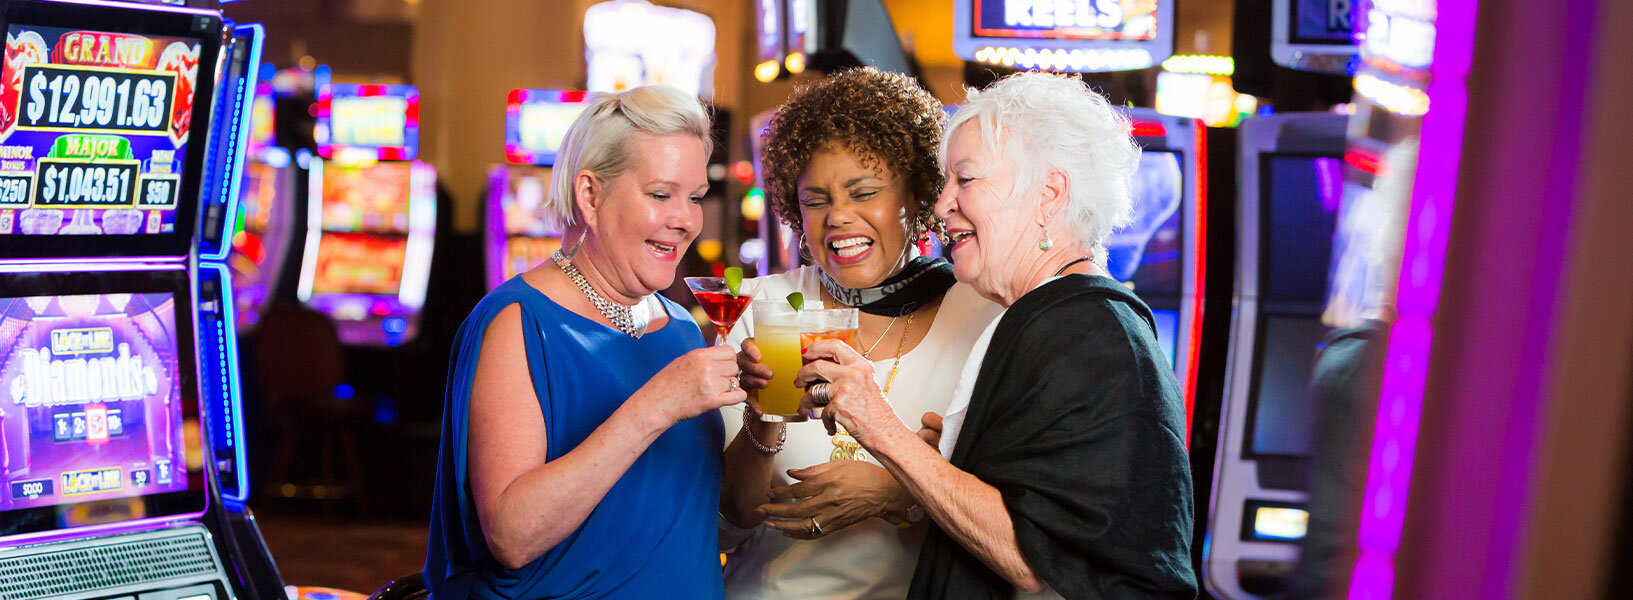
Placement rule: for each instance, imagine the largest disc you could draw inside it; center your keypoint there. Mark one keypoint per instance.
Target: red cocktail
(723, 308)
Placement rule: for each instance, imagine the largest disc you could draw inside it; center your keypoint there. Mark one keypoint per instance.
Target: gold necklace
(907, 330)
(869, 351)
(845, 446)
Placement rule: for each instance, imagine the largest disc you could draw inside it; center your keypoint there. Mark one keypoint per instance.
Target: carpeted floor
(342, 553)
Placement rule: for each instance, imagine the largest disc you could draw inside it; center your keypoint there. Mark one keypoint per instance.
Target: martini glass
(723, 308)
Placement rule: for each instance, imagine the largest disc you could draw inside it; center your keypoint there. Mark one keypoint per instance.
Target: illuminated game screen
(263, 188)
(263, 124)
(1321, 22)
(368, 198)
(381, 120)
(1066, 20)
(523, 198)
(523, 253)
(94, 128)
(257, 194)
(1299, 217)
(369, 233)
(1148, 252)
(92, 399)
(536, 121)
(357, 263)
(1148, 255)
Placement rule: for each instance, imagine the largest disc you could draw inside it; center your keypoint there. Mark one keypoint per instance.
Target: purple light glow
(155, 7)
(1394, 443)
(123, 263)
(107, 529)
(1329, 173)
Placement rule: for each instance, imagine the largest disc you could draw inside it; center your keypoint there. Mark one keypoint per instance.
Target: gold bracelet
(748, 430)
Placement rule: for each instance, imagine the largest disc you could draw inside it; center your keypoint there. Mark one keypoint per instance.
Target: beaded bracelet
(748, 430)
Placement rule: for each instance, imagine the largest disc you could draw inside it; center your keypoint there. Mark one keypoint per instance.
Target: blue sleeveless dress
(653, 535)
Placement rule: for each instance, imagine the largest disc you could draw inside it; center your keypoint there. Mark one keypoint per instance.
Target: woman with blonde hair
(580, 440)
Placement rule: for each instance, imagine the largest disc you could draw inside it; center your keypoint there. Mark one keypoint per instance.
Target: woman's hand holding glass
(699, 381)
(852, 399)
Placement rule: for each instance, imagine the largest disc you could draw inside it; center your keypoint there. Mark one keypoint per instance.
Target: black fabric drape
(1077, 419)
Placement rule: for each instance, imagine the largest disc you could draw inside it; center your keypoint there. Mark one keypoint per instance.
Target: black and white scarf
(923, 280)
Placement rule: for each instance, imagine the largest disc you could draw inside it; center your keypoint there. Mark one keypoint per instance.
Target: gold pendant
(846, 447)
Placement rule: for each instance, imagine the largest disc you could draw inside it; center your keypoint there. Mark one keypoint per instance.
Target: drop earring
(580, 245)
(1045, 243)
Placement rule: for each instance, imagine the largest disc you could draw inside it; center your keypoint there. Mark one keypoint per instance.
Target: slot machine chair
(298, 364)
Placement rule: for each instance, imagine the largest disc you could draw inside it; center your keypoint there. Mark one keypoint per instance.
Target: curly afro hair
(886, 119)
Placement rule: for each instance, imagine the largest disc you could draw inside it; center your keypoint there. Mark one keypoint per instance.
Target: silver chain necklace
(619, 315)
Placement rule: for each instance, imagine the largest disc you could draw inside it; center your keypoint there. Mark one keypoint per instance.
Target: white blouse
(872, 558)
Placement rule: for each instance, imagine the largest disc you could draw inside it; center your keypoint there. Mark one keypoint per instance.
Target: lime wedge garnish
(796, 300)
(734, 280)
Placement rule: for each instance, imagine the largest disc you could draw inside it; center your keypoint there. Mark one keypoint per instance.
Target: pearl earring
(1045, 243)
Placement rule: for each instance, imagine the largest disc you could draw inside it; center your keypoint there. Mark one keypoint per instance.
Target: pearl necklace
(620, 316)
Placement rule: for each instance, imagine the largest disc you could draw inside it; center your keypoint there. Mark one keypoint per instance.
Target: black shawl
(1077, 419)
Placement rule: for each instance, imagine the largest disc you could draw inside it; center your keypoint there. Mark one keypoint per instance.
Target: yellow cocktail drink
(780, 399)
(777, 333)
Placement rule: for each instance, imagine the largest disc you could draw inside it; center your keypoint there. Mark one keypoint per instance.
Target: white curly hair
(1039, 122)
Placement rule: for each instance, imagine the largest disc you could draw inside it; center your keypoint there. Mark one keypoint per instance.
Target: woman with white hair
(573, 462)
(1062, 469)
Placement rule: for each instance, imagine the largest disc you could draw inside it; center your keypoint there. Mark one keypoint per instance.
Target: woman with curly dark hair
(851, 166)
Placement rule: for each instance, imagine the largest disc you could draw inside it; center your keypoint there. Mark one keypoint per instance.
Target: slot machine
(371, 214)
(254, 571)
(105, 110)
(1290, 181)
(1160, 255)
(264, 227)
(516, 238)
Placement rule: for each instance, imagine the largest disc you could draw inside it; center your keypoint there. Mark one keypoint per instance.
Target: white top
(872, 558)
(958, 410)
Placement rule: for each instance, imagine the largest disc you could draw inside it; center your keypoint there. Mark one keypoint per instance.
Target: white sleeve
(732, 536)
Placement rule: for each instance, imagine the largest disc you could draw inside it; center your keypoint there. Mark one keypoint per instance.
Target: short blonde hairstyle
(599, 140)
(1038, 122)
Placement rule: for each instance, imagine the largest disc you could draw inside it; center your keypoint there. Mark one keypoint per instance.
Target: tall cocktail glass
(777, 332)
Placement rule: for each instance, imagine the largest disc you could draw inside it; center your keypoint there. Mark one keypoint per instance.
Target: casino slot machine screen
(528, 240)
(368, 247)
(1147, 254)
(1290, 179)
(365, 224)
(94, 127)
(95, 400)
(262, 234)
(264, 225)
(536, 122)
(1303, 196)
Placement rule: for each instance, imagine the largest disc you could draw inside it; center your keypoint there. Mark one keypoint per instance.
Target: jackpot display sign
(91, 405)
(93, 130)
(1066, 19)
